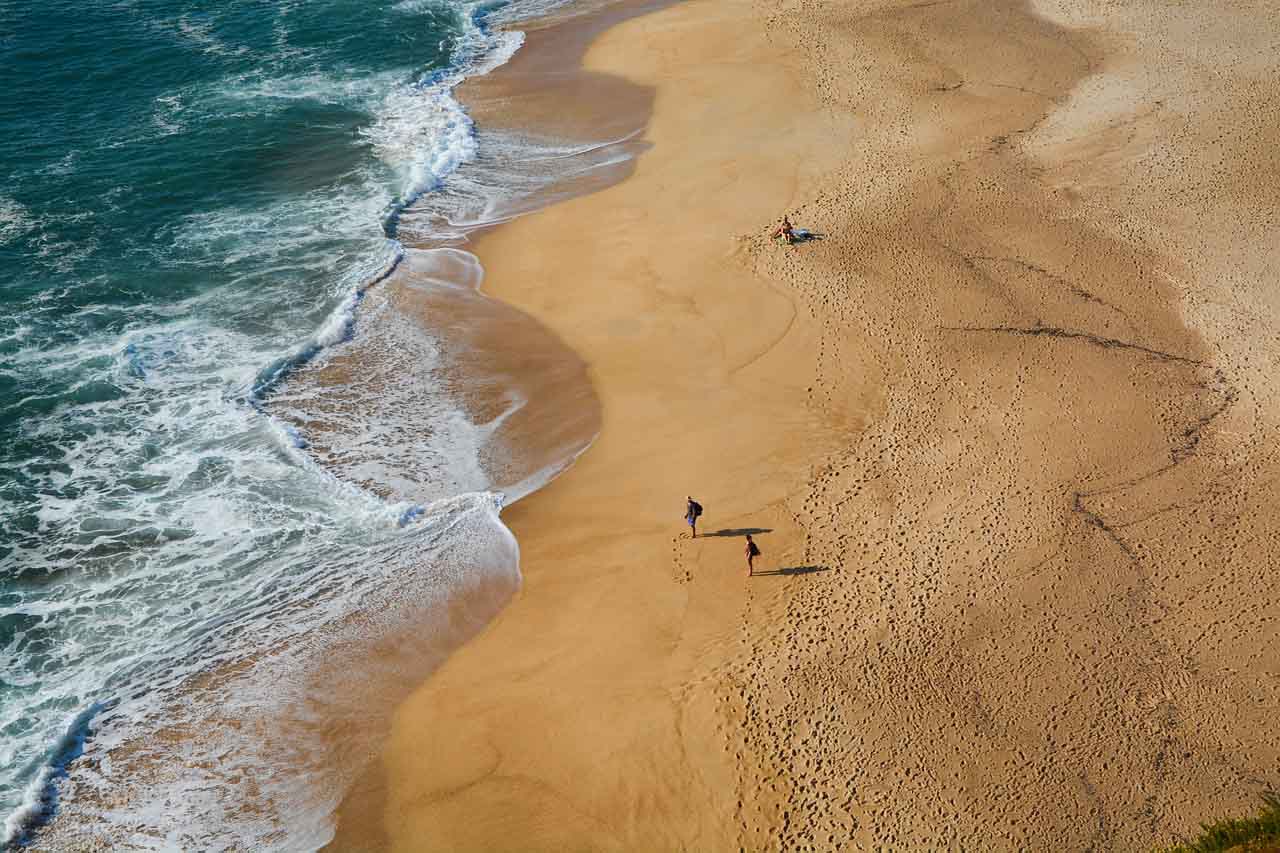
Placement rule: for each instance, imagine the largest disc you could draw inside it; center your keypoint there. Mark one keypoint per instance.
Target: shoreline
(519, 97)
(761, 355)
(980, 446)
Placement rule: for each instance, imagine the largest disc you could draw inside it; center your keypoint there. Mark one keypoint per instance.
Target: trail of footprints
(986, 667)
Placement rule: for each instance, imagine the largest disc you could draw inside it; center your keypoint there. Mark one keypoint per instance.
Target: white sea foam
(423, 135)
(63, 166)
(200, 33)
(21, 819)
(421, 131)
(338, 326)
(401, 426)
(320, 674)
(512, 174)
(357, 90)
(15, 220)
(167, 115)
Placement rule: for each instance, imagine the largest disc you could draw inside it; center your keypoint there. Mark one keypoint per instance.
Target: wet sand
(1005, 433)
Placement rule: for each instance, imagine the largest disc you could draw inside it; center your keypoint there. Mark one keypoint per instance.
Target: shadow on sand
(738, 531)
(793, 570)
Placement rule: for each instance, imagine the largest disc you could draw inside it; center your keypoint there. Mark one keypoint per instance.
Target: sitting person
(785, 231)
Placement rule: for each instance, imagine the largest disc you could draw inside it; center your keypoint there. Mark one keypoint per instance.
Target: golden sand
(1007, 433)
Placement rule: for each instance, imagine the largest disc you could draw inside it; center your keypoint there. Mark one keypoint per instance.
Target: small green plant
(1257, 834)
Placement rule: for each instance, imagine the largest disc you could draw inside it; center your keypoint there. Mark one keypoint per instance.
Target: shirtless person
(785, 231)
(753, 551)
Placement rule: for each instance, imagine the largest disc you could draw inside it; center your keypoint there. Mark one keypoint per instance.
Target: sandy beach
(1005, 433)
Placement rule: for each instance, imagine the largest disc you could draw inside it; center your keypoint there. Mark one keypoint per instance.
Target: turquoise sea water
(191, 198)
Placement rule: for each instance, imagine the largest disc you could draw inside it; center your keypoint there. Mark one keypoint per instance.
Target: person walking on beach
(753, 551)
(691, 513)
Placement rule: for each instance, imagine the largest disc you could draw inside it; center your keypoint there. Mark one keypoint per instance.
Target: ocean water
(194, 199)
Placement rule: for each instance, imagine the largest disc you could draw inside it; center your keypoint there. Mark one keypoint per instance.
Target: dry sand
(1008, 432)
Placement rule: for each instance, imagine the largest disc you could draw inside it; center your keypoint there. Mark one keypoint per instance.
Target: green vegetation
(1257, 834)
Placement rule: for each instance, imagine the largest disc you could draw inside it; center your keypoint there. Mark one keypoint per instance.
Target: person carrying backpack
(753, 551)
(691, 513)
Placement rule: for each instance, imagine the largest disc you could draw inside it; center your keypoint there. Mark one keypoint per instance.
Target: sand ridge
(1005, 432)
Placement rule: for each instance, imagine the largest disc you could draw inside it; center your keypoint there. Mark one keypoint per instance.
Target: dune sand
(1007, 433)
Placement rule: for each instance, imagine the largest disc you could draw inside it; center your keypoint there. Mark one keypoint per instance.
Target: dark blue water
(188, 195)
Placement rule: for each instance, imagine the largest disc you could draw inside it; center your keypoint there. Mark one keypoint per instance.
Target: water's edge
(547, 384)
(543, 87)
